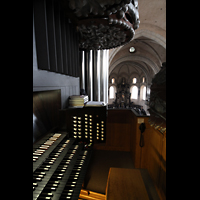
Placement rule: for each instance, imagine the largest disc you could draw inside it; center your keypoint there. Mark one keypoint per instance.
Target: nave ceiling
(149, 43)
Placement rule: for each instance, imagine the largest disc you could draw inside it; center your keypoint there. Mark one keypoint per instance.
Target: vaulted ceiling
(149, 43)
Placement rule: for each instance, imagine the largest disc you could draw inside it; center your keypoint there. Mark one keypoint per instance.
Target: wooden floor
(98, 170)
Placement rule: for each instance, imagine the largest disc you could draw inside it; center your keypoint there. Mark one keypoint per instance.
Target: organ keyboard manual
(63, 140)
(59, 166)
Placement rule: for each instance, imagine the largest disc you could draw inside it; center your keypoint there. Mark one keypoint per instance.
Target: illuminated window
(134, 92)
(112, 92)
(143, 92)
(134, 80)
(143, 79)
(113, 80)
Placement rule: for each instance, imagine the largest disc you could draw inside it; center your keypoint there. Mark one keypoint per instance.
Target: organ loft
(99, 99)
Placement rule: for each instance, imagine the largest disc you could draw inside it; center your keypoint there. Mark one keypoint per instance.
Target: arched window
(113, 80)
(143, 92)
(112, 92)
(134, 80)
(143, 79)
(134, 92)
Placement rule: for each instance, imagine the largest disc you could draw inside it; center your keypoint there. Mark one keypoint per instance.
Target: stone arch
(154, 67)
(157, 37)
(152, 35)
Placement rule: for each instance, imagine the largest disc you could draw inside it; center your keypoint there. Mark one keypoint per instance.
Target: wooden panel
(139, 160)
(125, 184)
(118, 131)
(144, 161)
(162, 177)
(120, 135)
(152, 156)
(119, 116)
(157, 161)
(133, 137)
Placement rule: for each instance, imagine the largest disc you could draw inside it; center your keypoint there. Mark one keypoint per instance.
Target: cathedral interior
(114, 51)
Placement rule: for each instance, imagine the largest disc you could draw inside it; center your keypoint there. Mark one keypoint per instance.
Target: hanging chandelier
(103, 24)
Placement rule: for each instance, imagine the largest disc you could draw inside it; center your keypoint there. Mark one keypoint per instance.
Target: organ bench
(125, 184)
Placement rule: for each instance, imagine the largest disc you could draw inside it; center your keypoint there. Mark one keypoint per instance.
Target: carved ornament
(104, 24)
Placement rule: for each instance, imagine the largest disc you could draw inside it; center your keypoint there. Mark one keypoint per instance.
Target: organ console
(59, 166)
(61, 156)
(63, 142)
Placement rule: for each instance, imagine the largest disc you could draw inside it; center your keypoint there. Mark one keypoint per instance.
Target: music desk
(126, 184)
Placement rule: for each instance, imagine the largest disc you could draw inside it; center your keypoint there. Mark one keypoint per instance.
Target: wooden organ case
(62, 150)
